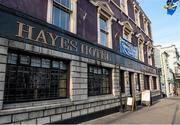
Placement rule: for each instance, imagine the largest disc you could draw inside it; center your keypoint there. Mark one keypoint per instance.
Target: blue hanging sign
(128, 49)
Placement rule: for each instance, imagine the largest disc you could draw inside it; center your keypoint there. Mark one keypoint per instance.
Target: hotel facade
(62, 59)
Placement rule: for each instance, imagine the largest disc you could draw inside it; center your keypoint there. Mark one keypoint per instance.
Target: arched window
(140, 47)
(124, 6)
(127, 31)
(104, 23)
(149, 52)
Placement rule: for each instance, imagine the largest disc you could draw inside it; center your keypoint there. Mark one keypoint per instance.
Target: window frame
(140, 47)
(61, 8)
(72, 10)
(124, 6)
(92, 76)
(127, 30)
(137, 15)
(149, 53)
(104, 31)
(25, 67)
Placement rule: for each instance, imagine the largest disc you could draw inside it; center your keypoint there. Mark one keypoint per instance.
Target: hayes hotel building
(61, 59)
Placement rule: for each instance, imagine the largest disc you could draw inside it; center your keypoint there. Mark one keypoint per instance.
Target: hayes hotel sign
(23, 28)
(26, 31)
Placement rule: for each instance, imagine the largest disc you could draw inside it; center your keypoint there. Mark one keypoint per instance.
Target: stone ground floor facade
(45, 81)
(78, 103)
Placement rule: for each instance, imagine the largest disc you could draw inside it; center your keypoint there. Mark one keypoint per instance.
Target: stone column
(135, 82)
(157, 83)
(3, 61)
(78, 81)
(150, 83)
(142, 82)
(126, 80)
(115, 81)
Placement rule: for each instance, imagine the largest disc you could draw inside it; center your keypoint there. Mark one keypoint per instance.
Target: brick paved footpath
(165, 111)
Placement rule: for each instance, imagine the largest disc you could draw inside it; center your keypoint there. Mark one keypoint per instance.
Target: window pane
(46, 63)
(36, 62)
(55, 64)
(103, 24)
(61, 18)
(65, 20)
(103, 38)
(24, 60)
(12, 58)
(55, 17)
(63, 65)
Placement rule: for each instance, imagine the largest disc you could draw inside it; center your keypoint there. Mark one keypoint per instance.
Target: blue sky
(165, 28)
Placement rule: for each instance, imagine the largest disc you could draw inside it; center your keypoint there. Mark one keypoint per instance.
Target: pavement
(165, 111)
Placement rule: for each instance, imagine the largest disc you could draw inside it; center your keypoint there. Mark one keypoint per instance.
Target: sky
(165, 28)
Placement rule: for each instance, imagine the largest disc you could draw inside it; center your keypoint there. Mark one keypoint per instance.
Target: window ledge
(101, 97)
(34, 106)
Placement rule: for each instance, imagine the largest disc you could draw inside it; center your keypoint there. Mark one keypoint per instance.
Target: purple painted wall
(141, 21)
(36, 8)
(87, 20)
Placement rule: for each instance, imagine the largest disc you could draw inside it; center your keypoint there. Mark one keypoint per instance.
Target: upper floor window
(104, 21)
(127, 35)
(103, 31)
(127, 31)
(62, 13)
(137, 18)
(141, 48)
(149, 53)
(124, 6)
(146, 26)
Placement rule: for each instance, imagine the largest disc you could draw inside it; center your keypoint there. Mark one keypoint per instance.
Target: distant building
(167, 59)
(174, 62)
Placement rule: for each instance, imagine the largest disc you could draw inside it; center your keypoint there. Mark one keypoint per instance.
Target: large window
(61, 14)
(154, 83)
(141, 49)
(99, 81)
(146, 26)
(30, 78)
(146, 82)
(122, 81)
(149, 53)
(103, 31)
(137, 18)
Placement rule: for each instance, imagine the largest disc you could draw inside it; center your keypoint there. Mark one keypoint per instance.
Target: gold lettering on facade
(53, 39)
(41, 37)
(27, 32)
(22, 30)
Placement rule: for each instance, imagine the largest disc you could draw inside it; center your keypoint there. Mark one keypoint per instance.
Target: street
(165, 111)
